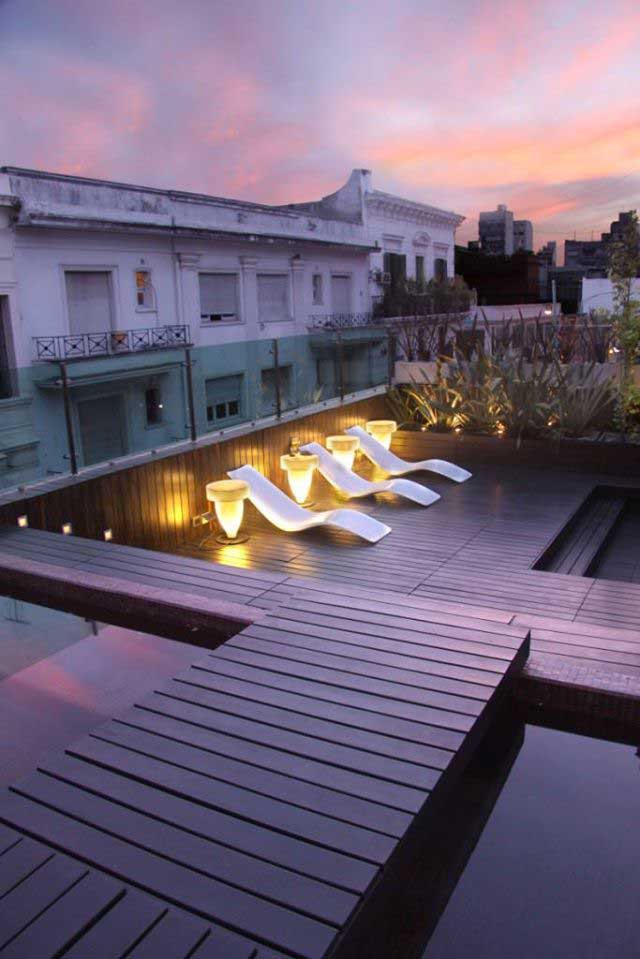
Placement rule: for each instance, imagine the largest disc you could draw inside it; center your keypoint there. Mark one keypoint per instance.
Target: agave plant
(479, 383)
(433, 403)
(529, 403)
(583, 399)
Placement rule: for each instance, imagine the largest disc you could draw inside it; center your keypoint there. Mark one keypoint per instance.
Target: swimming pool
(556, 870)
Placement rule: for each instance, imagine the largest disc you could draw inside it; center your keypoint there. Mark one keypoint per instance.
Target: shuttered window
(224, 400)
(273, 298)
(89, 301)
(341, 294)
(218, 297)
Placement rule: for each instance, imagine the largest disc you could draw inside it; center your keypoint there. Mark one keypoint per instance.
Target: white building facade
(133, 318)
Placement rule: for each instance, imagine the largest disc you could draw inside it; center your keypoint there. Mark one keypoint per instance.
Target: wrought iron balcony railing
(340, 321)
(82, 346)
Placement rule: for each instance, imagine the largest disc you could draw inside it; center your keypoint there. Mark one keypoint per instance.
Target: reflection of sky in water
(557, 869)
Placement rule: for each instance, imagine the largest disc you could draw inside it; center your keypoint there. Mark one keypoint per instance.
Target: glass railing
(29, 633)
(64, 415)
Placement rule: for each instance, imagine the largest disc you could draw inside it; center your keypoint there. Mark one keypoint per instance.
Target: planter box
(562, 454)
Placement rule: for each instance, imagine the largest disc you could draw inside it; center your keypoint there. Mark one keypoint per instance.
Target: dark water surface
(556, 871)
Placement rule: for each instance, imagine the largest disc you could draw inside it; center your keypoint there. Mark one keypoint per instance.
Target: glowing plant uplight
(67, 529)
(23, 522)
(381, 430)
(228, 497)
(343, 448)
(299, 470)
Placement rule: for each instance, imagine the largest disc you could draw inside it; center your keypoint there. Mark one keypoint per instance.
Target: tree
(624, 267)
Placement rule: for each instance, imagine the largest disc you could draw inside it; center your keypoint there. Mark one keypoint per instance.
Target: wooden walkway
(271, 788)
(270, 792)
(54, 905)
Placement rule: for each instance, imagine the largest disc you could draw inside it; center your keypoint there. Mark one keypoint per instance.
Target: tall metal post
(188, 364)
(66, 399)
(391, 357)
(276, 377)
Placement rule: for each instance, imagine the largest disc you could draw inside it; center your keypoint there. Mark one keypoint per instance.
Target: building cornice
(60, 221)
(397, 208)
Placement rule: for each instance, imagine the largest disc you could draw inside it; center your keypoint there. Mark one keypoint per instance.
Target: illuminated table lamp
(228, 497)
(344, 449)
(381, 430)
(299, 470)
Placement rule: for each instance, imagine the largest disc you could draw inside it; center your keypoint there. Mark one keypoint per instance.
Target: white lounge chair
(288, 516)
(395, 466)
(351, 485)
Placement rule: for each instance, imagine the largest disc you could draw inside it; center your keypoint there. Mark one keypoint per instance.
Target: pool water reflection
(556, 870)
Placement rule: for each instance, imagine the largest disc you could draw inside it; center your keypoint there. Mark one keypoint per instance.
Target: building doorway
(102, 432)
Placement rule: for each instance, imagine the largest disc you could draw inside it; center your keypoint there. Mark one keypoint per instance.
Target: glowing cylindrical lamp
(228, 497)
(344, 449)
(299, 470)
(23, 522)
(381, 430)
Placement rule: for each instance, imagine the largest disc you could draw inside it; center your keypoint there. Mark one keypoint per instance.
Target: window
(153, 406)
(89, 300)
(218, 297)
(224, 400)
(269, 396)
(317, 289)
(420, 270)
(395, 264)
(273, 298)
(440, 269)
(340, 294)
(144, 290)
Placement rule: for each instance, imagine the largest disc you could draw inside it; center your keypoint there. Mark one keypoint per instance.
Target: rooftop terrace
(275, 789)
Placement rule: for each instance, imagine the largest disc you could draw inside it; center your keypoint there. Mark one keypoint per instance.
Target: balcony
(86, 346)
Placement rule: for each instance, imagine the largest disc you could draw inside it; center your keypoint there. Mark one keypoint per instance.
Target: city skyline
(276, 102)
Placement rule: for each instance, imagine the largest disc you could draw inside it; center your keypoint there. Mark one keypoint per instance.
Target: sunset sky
(463, 104)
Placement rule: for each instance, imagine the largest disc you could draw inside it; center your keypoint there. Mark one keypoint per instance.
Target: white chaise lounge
(288, 516)
(395, 466)
(351, 485)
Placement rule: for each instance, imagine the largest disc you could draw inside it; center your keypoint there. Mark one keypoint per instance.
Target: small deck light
(344, 449)
(108, 535)
(23, 522)
(228, 497)
(299, 470)
(381, 430)
(67, 529)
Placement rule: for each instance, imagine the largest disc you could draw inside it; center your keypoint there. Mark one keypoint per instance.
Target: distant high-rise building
(496, 231)
(547, 254)
(522, 236)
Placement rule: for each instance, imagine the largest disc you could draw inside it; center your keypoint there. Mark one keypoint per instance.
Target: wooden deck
(270, 788)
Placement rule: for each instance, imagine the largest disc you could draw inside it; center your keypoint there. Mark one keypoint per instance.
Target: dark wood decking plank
(159, 875)
(373, 779)
(24, 857)
(287, 730)
(66, 918)
(193, 814)
(26, 901)
(348, 715)
(345, 658)
(127, 922)
(358, 680)
(291, 806)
